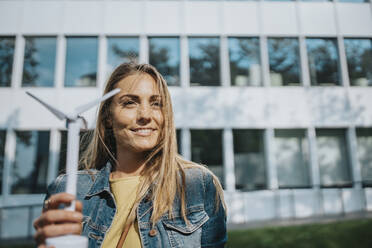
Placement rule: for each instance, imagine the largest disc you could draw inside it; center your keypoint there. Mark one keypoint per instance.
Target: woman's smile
(145, 132)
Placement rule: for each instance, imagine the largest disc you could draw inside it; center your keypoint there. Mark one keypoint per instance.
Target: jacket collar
(101, 183)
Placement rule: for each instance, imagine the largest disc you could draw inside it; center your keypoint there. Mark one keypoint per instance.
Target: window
(178, 137)
(2, 152)
(204, 54)
(6, 60)
(165, 56)
(364, 151)
(250, 172)
(359, 61)
(120, 50)
(284, 60)
(39, 61)
(29, 172)
(291, 153)
(206, 148)
(81, 61)
(323, 61)
(333, 158)
(85, 137)
(245, 66)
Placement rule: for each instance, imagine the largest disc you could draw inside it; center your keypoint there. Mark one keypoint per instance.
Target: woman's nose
(144, 114)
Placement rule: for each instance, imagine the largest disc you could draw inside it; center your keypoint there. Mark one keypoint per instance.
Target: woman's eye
(128, 103)
(156, 104)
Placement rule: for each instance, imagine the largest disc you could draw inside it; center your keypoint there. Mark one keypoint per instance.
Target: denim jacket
(207, 226)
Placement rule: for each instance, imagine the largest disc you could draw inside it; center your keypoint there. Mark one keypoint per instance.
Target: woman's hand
(56, 222)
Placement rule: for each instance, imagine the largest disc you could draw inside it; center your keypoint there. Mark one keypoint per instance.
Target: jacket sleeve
(214, 230)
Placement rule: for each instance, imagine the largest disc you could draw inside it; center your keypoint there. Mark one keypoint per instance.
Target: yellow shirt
(124, 191)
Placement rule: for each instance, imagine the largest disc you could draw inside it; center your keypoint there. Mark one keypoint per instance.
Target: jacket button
(152, 232)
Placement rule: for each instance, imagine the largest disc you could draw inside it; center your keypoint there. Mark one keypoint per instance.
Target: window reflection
(81, 61)
(364, 151)
(204, 55)
(121, 50)
(6, 60)
(333, 158)
(85, 137)
(359, 61)
(165, 56)
(2, 152)
(206, 148)
(284, 61)
(323, 61)
(29, 172)
(250, 173)
(291, 153)
(245, 68)
(39, 61)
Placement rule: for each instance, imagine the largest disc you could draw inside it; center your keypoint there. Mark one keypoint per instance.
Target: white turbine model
(73, 122)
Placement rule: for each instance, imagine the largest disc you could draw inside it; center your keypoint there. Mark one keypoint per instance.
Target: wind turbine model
(73, 122)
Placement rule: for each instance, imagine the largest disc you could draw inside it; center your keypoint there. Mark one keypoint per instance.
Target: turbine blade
(60, 115)
(91, 104)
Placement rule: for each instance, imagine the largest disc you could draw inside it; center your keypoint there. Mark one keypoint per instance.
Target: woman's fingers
(58, 216)
(55, 200)
(56, 230)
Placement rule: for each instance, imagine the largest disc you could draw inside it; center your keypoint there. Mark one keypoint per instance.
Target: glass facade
(81, 61)
(6, 60)
(359, 61)
(245, 65)
(364, 151)
(204, 55)
(120, 50)
(284, 61)
(2, 158)
(29, 171)
(333, 158)
(206, 148)
(323, 61)
(165, 56)
(292, 159)
(39, 61)
(249, 159)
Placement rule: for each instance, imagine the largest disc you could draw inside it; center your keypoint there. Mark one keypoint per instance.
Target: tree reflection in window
(323, 61)
(206, 148)
(2, 152)
(204, 54)
(359, 61)
(284, 61)
(245, 68)
(364, 152)
(121, 50)
(250, 171)
(81, 61)
(6, 60)
(29, 171)
(39, 61)
(165, 56)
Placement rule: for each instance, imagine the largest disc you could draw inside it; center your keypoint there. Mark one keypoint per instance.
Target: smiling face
(136, 114)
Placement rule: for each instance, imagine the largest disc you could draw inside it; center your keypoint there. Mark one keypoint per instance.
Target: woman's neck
(128, 164)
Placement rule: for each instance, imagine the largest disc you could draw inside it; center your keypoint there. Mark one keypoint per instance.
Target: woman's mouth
(143, 131)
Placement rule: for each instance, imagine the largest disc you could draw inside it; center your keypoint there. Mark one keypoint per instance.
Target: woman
(135, 189)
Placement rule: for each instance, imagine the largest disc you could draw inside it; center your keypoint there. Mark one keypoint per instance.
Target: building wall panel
(317, 19)
(159, 23)
(203, 18)
(11, 15)
(355, 19)
(241, 18)
(123, 17)
(279, 18)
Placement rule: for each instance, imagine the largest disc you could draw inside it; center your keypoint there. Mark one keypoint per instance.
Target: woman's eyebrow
(134, 97)
(155, 97)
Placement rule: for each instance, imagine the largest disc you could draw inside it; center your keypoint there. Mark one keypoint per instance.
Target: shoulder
(85, 178)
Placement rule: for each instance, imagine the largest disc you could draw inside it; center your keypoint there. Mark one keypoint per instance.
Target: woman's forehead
(140, 83)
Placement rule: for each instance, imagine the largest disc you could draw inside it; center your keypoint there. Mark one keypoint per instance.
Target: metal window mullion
(354, 162)
(272, 175)
(18, 61)
(9, 158)
(144, 49)
(54, 149)
(264, 56)
(59, 76)
(185, 63)
(224, 61)
(186, 143)
(102, 61)
(343, 61)
(228, 159)
(305, 75)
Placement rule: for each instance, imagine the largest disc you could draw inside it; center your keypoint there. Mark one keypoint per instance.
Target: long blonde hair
(163, 163)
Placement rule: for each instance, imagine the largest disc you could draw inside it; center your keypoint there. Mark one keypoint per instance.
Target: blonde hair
(163, 163)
